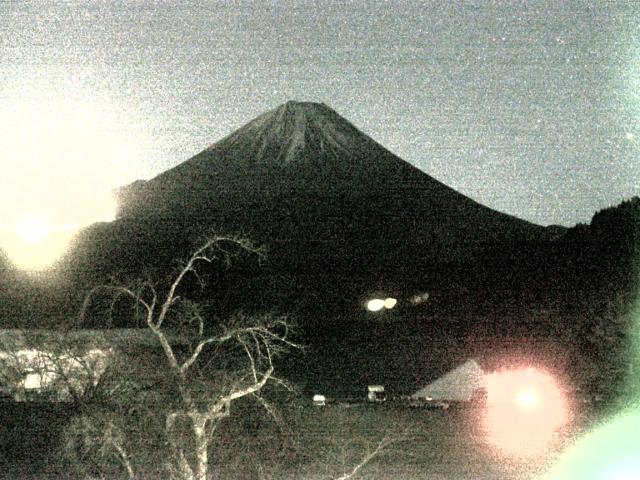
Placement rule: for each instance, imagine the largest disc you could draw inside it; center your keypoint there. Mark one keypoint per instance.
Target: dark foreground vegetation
(305, 442)
(573, 301)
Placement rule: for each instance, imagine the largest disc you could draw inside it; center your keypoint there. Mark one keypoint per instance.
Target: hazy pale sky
(531, 108)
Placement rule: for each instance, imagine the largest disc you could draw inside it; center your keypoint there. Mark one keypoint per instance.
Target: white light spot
(390, 302)
(419, 298)
(375, 305)
(63, 149)
(33, 230)
(32, 381)
(528, 398)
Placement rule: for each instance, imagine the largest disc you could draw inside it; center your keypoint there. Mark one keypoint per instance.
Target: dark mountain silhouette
(343, 219)
(319, 192)
(604, 253)
(339, 214)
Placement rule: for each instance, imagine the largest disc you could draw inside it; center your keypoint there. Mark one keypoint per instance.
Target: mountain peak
(294, 133)
(305, 161)
(296, 105)
(297, 108)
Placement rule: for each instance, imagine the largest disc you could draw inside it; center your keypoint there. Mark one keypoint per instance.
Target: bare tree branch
(261, 339)
(197, 256)
(118, 291)
(235, 394)
(112, 439)
(384, 443)
(184, 469)
(166, 346)
(198, 350)
(252, 362)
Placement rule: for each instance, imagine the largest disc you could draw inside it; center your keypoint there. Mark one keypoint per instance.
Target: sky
(530, 108)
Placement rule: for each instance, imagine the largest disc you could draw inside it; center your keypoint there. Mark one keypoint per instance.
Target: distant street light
(377, 304)
(390, 302)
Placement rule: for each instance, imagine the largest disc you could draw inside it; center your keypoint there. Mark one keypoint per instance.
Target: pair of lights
(377, 304)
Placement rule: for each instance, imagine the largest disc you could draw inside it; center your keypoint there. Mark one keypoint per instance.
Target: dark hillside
(317, 192)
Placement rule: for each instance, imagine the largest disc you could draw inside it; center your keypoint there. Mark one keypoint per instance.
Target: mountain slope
(306, 181)
(344, 219)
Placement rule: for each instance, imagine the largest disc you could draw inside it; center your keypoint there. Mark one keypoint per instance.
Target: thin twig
(385, 442)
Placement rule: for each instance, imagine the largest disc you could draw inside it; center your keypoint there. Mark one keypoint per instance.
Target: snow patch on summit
(288, 133)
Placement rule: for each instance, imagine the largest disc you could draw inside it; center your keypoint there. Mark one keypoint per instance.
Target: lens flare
(33, 230)
(525, 410)
(63, 149)
(528, 398)
(35, 245)
(610, 452)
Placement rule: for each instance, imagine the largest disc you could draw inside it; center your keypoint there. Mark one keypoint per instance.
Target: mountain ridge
(299, 145)
(296, 149)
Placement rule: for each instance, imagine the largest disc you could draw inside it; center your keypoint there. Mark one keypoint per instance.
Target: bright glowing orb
(63, 149)
(33, 230)
(375, 305)
(35, 245)
(528, 398)
(525, 410)
(390, 302)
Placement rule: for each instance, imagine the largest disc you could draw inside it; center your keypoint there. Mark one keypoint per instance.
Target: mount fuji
(320, 193)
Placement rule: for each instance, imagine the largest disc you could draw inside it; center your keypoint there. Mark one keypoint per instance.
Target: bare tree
(201, 405)
(52, 365)
(99, 441)
(367, 457)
